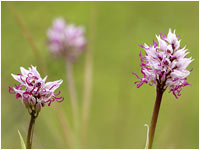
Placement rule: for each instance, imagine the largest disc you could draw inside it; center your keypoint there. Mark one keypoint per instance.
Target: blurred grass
(119, 110)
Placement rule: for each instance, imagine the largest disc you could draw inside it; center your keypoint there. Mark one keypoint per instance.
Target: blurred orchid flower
(66, 39)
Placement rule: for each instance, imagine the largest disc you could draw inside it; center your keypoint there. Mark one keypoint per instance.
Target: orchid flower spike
(66, 39)
(165, 64)
(33, 91)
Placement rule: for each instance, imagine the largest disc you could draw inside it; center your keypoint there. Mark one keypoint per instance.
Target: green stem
(87, 92)
(73, 97)
(30, 132)
(159, 94)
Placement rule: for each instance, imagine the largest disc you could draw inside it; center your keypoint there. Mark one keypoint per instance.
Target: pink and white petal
(180, 74)
(52, 86)
(17, 78)
(35, 72)
(24, 71)
(184, 62)
(181, 53)
(18, 91)
(45, 78)
(162, 44)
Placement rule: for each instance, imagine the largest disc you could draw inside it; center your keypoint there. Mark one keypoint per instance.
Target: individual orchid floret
(33, 91)
(65, 39)
(165, 64)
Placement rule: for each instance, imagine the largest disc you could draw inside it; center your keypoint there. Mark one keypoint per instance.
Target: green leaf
(23, 146)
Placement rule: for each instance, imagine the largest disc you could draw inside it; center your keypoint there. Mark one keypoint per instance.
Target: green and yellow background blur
(118, 109)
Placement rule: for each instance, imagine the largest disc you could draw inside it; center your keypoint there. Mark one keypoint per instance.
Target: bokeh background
(118, 109)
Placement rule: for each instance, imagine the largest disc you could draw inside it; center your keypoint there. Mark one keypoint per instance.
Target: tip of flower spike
(13, 75)
(174, 31)
(59, 23)
(59, 19)
(45, 78)
(23, 71)
(60, 81)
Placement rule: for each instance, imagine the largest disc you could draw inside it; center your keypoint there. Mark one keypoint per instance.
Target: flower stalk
(87, 93)
(30, 131)
(72, 91)
(159, 94)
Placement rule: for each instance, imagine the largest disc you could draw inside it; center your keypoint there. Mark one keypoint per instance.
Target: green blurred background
(118, 110)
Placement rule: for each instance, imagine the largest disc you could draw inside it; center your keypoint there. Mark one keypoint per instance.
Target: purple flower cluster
(33, 91)
(64, 39)
(165, 64)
